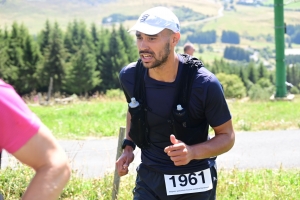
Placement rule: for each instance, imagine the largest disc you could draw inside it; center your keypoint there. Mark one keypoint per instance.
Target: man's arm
(127, 157)
(221, 143)
(182, 154)
(43, 153)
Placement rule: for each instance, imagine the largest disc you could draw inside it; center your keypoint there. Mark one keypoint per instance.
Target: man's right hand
(125, 159)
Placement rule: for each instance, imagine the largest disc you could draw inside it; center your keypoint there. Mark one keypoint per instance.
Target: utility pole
(281, 90)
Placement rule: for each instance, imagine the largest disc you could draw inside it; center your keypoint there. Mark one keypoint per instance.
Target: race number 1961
(188, 183)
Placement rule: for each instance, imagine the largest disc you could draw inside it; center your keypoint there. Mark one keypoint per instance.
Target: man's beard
(164, 57)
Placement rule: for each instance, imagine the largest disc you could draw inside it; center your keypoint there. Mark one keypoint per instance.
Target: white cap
(155, 20)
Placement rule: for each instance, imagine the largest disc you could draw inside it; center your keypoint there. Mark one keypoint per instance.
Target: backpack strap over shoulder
(190, 67)
(139, 86)
(139, 129)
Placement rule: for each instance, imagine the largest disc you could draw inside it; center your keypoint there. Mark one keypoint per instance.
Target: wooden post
(50, 90)
(116, 175)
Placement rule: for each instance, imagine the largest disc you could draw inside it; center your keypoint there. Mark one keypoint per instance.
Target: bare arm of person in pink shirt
(24, 136)
(47, 158)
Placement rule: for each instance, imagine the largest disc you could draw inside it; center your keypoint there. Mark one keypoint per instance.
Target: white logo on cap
(144, 17)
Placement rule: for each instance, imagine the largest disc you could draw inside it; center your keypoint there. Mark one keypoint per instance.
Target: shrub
(294, 90)
(265, 83)
(232, 85)
(114, 94)
(257, 92)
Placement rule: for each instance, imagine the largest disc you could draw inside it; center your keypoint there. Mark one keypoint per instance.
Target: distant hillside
(34, 13)
(91, 2)
(254, 24)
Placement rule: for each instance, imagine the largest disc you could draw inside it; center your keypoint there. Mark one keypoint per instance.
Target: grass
(255, 116)
(233, 184)
(259, 184)
(209, 57)
(291, 4)
(85, 119)
(100, 118)
(251, 20)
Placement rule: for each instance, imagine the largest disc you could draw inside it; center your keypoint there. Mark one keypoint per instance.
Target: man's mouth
(146, 57)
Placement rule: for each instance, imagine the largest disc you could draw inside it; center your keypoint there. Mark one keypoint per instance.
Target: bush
(233, 85)
(294, 90)
(114, 94)
(257, 92)
(265, 83)
(248, 85)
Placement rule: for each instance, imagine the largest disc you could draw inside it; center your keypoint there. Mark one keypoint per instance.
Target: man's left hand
(179, 152)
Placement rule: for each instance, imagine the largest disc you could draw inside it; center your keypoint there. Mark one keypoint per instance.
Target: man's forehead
(137, 33)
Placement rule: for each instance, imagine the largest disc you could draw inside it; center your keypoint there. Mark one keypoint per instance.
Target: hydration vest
(183, 126)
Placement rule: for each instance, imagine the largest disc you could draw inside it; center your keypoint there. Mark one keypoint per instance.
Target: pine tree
(78, 42)
(129, 44)
(262, 71)
(71, 39)
(95, 35)
(243, 75)
(77, 36)
(96, 51)
(3, 56)
(102, 60)
(272, 77)
(252, 73)
(54, 64)
(32, 58)
(295, 74)
(44, 37)
(15, 53)
(113, 60)
(81, 75)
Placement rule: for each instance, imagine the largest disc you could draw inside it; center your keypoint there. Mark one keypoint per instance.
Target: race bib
(188, 183)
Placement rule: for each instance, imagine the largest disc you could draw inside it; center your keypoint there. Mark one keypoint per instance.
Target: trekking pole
(116, 182)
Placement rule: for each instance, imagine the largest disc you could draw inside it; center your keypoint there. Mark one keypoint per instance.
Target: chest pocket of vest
(184, 130)
(139, 131)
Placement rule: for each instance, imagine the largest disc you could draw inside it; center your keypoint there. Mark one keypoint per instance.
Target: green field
(291, 4)
(249, 20)
(84, 119)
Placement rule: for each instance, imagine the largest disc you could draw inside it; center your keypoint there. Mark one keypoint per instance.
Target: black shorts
(150, 185)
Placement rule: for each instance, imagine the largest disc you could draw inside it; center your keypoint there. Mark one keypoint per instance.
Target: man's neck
(166, 72)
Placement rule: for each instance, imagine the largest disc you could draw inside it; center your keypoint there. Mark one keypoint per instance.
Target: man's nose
(143, 45)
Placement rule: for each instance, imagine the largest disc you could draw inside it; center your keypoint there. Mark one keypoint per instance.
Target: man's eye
(152, 38)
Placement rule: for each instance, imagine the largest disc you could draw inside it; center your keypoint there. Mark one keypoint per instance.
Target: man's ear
(175, 38)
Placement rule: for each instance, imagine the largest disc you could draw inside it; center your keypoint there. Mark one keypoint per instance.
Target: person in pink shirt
(23, 135)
